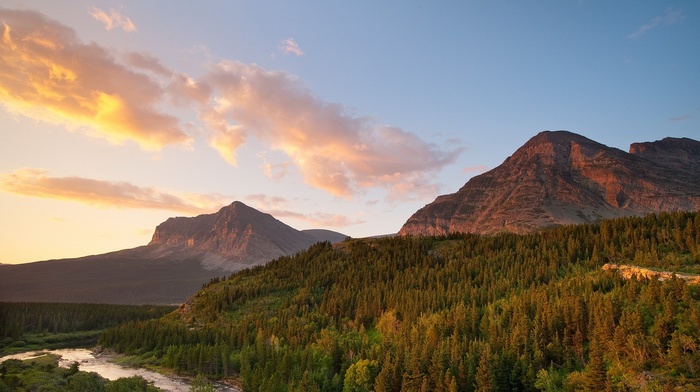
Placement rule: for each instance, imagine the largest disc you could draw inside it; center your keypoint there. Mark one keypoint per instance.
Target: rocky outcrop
(235, 237)
(631, 271)
(560, 178)
(681, 154)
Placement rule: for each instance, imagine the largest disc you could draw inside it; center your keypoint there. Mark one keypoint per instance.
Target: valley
(547, 279)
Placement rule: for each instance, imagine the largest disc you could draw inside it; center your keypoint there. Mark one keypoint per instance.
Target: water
(100, 364)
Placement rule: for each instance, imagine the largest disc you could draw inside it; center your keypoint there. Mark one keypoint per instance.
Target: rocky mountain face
(183, 254)
(236, 237)
(560, 178)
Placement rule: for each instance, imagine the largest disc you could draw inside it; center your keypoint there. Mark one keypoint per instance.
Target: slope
(463, 312)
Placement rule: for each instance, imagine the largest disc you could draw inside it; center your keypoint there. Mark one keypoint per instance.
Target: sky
(348, 116)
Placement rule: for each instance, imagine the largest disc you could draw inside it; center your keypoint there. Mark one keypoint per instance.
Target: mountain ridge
(559, 178)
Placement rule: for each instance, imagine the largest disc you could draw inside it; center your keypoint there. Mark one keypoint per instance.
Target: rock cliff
(236, 236)
(560, 178)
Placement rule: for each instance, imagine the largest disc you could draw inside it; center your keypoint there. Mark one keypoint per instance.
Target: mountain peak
(556, 137)
(559, 178)
(236, 236)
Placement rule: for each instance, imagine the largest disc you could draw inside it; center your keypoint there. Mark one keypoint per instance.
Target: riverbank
(103, 363)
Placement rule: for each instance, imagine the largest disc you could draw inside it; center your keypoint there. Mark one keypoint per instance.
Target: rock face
(560, 178)
(236, 237)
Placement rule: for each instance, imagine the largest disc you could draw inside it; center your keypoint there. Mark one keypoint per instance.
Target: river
(89, 362)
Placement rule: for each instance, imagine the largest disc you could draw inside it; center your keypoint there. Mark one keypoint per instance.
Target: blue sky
(343, 115)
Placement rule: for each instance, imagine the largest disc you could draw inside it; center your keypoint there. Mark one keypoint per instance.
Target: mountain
(236, 237)
(184, 253)
(560, 178)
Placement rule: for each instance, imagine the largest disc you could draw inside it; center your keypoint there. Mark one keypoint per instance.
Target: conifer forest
(462, 312)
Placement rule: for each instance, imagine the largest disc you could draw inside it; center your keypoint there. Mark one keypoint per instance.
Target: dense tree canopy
(456, 313)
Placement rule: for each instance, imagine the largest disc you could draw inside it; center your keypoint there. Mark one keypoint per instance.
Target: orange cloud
(35, 183)
(334, 149)
(113, 19)
(48, 74)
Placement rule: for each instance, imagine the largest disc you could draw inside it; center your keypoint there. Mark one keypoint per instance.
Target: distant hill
(560, 178)
(322, 235)
(183, 254)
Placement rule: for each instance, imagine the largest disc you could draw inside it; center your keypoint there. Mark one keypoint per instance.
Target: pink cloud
(276, 206)
(113, 19)
(147, 62)
(290, 46)
(334, 149)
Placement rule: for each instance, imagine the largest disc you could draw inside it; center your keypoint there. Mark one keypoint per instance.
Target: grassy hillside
(457, 313)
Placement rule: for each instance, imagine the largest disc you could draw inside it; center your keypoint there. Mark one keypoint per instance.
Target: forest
(31, 326)
(461, 312)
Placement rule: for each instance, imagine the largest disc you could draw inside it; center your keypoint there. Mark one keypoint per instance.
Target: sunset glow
(120, 108)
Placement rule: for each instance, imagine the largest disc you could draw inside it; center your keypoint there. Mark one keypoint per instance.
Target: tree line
(20, 320)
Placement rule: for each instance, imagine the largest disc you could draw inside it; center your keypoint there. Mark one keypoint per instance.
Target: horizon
(345, 117)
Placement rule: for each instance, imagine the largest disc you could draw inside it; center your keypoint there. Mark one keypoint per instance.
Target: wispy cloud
(691, 114)
(36, 183)
(277, 207)
(147, 62)
(113, 19)
(334, 149)
(475, 169)
(48, 74)
(290, 46)
(681, 118)
(670, 16)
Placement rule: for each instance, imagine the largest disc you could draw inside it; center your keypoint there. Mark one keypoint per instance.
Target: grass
(46, 359)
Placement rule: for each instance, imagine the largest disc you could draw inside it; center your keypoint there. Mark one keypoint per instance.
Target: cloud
(290, 46)
(681, 118)
(147, 62)
(35, 183)
(318, 219)
(267, 202)
(475, 169)
(275, 206)
(46, 73)
(334, 149)
(114, 19)
(274, 171)
(670, 16)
